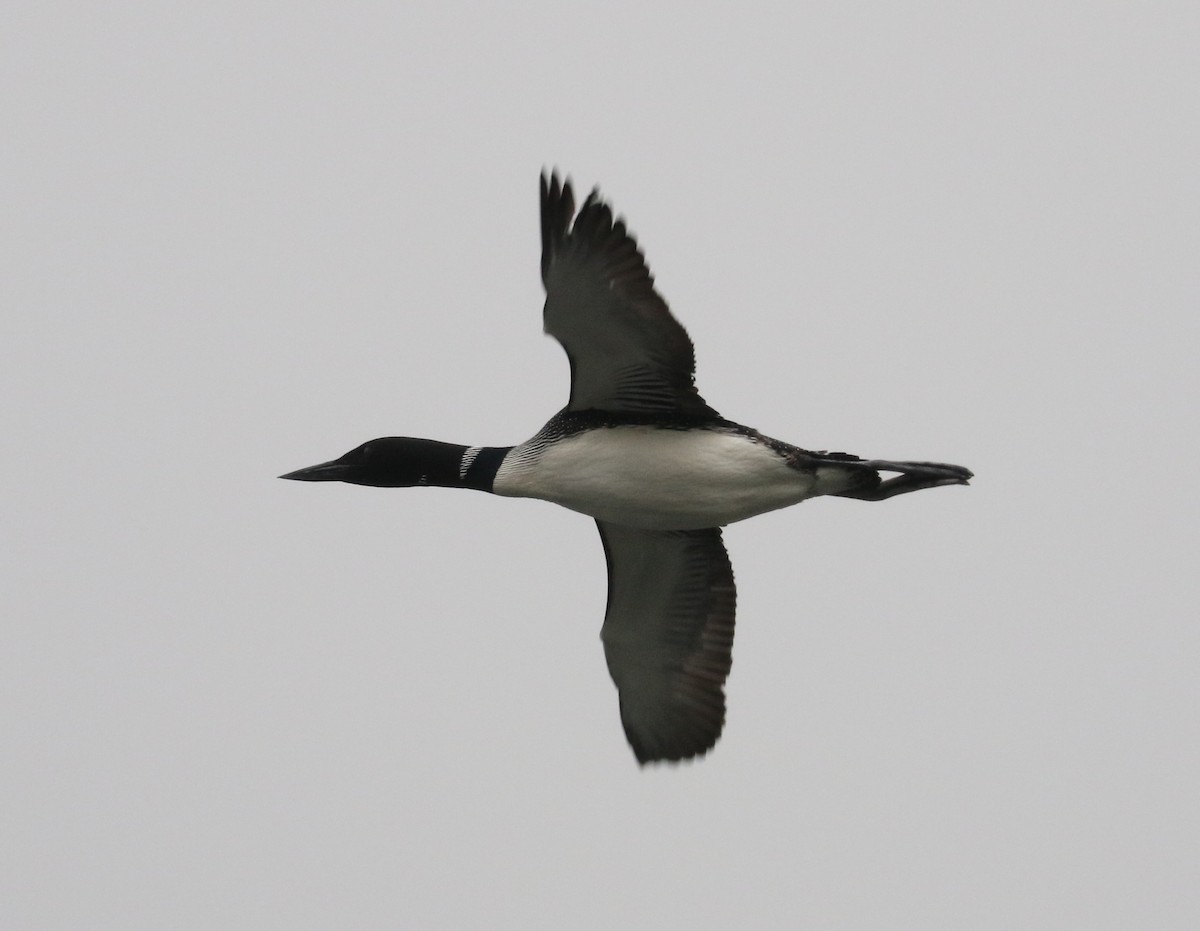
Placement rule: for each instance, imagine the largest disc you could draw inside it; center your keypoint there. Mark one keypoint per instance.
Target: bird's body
(663, 476)
(640, 451)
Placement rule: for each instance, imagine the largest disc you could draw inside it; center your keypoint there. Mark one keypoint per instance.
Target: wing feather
(627, 352)
(668, 637)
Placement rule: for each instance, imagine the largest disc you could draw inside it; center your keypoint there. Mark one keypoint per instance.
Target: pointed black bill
(335, 471)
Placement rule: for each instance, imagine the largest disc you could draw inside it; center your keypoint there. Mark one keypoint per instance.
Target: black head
(388, 462)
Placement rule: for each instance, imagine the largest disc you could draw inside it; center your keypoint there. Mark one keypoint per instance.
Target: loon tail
(913, 476)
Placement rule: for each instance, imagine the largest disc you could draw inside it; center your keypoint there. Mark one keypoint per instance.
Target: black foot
(913, 477)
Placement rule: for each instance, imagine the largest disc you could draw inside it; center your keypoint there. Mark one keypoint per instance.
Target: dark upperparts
(402, 461)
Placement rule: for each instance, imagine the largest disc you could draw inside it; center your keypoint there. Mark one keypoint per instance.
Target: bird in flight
(639, 450)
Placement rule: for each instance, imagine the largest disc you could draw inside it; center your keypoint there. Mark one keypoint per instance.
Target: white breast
(656, 478)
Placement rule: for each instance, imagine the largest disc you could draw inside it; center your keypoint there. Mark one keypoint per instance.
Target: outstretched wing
(668, 636)
(627, 352)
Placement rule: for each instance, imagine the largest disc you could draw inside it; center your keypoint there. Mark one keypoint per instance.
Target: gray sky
(240, 240)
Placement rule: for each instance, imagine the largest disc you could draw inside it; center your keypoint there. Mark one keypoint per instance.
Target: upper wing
(627, 352)
(668, 636)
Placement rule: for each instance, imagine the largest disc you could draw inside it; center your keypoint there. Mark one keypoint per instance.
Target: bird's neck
(478, 465)
(451, 465)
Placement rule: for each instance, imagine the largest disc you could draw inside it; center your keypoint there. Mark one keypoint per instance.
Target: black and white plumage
(638, 449)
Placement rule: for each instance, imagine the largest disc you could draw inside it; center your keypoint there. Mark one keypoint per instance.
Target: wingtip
(555, 184)
(647, 758)
(553, 181)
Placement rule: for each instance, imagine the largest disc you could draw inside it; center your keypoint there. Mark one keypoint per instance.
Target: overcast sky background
(241, 239)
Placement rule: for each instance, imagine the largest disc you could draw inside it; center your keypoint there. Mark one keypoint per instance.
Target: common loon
(638, 449)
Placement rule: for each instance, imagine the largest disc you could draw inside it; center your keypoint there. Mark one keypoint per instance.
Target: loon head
(387, 462)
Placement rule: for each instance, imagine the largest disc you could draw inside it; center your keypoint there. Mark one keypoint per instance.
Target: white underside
(661, 479)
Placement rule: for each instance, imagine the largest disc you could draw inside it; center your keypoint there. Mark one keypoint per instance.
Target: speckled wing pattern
(627, 353)
(668, 636)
